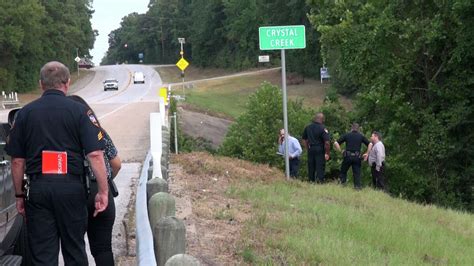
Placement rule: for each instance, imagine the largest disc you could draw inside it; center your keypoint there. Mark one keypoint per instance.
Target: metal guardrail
(9, 100)
(145, 248)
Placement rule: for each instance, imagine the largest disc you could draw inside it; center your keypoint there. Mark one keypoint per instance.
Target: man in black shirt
(352, 155)
(316, 140)
(47, 142)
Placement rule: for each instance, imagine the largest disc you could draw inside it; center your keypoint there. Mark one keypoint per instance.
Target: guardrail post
(154, 186)
(169, 238)
(182, 260)
(161, 205)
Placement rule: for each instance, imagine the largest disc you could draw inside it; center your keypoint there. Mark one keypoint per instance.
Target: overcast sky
(107, 17)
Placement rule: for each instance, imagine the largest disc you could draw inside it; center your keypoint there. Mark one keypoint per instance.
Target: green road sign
(282, 37)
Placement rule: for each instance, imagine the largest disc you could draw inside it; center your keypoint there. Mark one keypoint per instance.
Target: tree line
(33, 32)
(218, 33)
(410, 66)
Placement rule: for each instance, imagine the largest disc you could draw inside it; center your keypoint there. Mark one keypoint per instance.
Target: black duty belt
(315, 145)
(352, 153)
(52, 177)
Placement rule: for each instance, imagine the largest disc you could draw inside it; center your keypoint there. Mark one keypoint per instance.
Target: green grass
(229, 96)
(228, 101)
(172, 74)
(300, 224)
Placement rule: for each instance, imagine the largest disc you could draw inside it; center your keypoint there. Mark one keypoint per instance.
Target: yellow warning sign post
(182, 64)
(163, 93)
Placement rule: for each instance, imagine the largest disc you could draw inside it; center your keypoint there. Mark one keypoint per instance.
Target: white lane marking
(139, 98)
(118, 93)
(115, 110)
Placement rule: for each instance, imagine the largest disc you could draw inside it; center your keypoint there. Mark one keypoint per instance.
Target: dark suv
(13, 245)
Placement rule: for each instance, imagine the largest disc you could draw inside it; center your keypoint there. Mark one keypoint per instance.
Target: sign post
(283, 38)
(77, 59)
(323, 72)
(184, 64)
(263, 58)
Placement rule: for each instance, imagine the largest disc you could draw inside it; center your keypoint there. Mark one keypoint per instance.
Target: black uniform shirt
(54, 123)
(353, 140)
(316, 134)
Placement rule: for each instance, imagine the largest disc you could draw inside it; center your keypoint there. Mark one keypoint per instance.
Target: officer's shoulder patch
(100, 135)
(92, 118)
(326, 130)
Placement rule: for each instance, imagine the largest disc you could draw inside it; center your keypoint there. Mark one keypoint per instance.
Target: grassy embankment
(296, 223)
(228, 96)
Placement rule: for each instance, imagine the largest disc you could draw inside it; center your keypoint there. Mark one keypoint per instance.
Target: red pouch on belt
(54, 162)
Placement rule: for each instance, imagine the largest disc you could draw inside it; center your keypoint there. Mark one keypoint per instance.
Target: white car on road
(110, 84)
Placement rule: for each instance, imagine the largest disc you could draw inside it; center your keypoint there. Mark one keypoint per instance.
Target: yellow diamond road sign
(182, 64)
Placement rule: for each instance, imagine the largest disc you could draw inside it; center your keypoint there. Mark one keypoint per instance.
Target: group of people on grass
(316, 140)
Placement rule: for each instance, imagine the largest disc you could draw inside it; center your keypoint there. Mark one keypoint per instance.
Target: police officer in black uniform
(352, 155)
(46, 142)
(316, 140)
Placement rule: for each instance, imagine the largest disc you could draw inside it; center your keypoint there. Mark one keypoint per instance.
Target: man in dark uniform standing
(352, 155)
(49, 137)
(316, 140)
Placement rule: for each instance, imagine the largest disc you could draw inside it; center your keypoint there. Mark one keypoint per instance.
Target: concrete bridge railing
(161, 237)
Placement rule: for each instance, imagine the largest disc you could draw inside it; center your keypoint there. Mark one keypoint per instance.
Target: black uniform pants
(356, 163)
(378, 177)
(316, 164)
(56, 211)
(99, 229)
(294, 167)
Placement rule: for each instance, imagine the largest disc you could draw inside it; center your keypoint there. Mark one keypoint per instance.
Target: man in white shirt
(294, 151)
(376, 157)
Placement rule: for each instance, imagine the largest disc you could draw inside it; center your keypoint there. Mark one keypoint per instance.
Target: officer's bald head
(319, 117)
(54, 75)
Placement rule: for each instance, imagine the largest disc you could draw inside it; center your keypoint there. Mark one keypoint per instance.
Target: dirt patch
(214, 219)
(202, 125)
